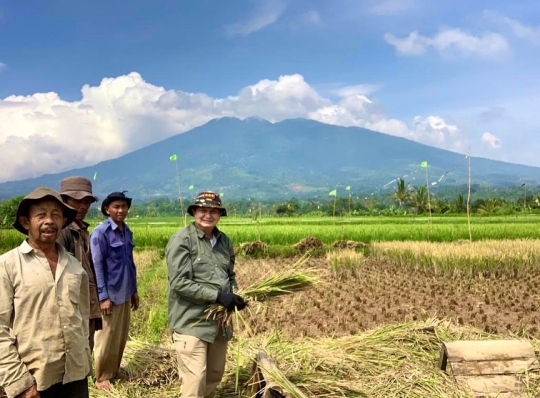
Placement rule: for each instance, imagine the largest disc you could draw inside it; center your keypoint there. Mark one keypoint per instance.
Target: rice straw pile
(287, 281)
(389, 361)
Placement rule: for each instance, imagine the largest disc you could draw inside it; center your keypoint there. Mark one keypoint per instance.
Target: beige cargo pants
(200, 365)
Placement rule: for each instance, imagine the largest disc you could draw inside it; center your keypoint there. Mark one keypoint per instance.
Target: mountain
(254, 158)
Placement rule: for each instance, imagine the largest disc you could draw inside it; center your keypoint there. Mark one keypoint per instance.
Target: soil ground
(385, 293)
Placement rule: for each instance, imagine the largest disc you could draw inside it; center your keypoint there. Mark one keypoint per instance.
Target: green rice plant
(345, 263)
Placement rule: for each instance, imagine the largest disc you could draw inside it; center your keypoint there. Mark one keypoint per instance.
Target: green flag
(333, 193)
(348, 188)
(173, 158)
(221, 194)
(191, 187)
(423, 164)
(95, 176)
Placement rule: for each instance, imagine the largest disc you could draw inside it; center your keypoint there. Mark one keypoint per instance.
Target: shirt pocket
(116, 250)
(74, 287)
(203, 270)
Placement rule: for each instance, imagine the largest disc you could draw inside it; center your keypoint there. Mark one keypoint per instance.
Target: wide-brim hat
(77, 188)
(112, 197)
(38, 194)
(207, 199)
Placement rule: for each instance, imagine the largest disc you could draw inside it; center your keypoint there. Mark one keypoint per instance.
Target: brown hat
(207, 199)
(77, 188)
(35, 196)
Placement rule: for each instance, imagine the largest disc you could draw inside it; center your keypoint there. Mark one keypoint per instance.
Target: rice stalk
(287, 281)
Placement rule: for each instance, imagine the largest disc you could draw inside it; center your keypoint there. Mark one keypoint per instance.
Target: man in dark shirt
(77, 193)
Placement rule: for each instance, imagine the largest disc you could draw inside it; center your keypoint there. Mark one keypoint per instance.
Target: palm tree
(419, 199)
(401, 194)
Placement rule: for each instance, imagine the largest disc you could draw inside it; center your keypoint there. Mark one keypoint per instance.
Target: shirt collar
(25, 248)
(77, 227)
(113, 224)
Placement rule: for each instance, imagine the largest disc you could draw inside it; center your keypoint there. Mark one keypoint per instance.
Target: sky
(82, 82)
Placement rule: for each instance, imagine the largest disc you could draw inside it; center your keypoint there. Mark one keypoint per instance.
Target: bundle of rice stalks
(151, 369)
(348, 244)
(309, 243)
(287, 281)
(254, 248)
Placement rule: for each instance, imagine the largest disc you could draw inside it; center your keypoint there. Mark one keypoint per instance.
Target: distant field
(155, 232)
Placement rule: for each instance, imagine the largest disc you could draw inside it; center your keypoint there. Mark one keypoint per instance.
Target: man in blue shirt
(111, 245)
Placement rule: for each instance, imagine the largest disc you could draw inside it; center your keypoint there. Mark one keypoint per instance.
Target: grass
(486, 258)
(150, 320)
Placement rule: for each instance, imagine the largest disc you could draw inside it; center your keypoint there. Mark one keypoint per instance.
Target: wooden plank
(499, 395)
(443, 357)
(497, 367)
(482, 350)
(492, 383)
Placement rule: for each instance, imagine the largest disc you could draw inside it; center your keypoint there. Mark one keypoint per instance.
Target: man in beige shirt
(44, 306)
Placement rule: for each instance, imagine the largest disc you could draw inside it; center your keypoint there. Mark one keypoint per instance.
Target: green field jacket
(196, 273)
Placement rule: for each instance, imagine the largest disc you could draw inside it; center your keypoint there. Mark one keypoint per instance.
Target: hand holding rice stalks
(286, 281)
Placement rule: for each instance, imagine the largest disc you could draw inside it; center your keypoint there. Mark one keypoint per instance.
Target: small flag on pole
(332, 193)
(423, 164)
(191, 187)
(95, 176)
(221, 194)
(348, 188)
(173, 158)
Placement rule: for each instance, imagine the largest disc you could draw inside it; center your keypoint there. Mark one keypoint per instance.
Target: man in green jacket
(200, 262)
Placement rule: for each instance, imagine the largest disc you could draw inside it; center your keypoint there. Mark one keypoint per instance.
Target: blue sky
(121, 75)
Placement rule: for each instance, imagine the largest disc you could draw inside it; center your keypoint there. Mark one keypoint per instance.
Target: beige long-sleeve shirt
(43, 320)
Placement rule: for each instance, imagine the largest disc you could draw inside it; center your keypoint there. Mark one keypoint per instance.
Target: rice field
(373, 324)
(375, 332)
(500, 258)
(281, 232)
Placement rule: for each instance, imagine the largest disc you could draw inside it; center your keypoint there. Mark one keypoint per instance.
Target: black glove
(239, 302)
(231, 301)
(226, 300)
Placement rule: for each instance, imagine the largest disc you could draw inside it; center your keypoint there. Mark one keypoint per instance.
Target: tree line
(402, 199)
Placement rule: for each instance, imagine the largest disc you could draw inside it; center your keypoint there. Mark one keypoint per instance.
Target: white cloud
(491, 140)
(42, 133)
(519, 29)
(435, 131)
(3, 66)
(358, 89)
(451, 42)
(267, 13)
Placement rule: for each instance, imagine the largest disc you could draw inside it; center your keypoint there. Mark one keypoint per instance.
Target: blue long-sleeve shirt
(112, 252)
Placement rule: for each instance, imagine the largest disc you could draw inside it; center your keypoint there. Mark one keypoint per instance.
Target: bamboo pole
(469, 197)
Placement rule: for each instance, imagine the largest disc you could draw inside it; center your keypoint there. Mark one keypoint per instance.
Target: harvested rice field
(372, 327)
(385, 292)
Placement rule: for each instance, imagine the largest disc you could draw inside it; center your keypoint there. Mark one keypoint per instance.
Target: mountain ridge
(258, 159)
